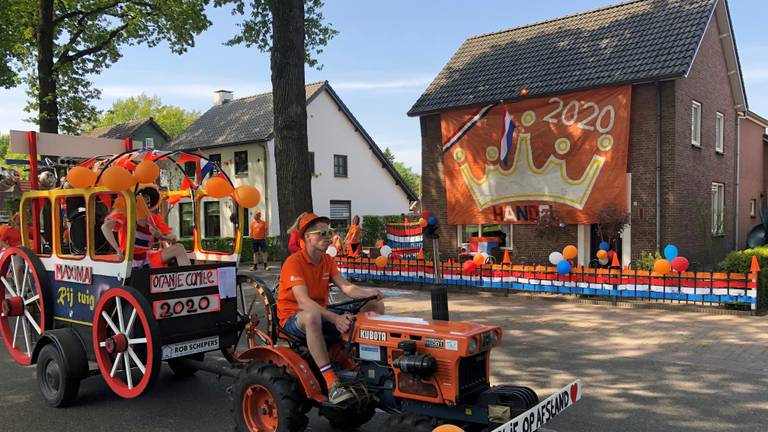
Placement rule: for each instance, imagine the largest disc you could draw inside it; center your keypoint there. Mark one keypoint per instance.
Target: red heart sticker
(574, 391)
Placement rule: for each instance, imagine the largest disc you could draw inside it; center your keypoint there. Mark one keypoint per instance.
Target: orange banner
(507, 163)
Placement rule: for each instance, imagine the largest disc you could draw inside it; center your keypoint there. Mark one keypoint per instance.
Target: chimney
(220, 97)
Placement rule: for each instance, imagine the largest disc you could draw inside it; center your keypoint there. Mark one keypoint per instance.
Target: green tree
(293, 32)
(172, 119)
(406, 172)
(58, 45)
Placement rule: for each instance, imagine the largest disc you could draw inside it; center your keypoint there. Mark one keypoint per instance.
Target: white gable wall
(369, 187)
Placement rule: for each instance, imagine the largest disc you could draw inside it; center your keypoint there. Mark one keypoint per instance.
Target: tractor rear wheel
(266, 399)
(407, 422)
(349, 419)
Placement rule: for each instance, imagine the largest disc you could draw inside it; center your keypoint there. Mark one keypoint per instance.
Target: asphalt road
(642, 371)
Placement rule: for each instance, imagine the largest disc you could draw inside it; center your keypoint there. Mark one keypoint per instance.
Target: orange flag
(754, 267)
(421, 254)
(506, 259)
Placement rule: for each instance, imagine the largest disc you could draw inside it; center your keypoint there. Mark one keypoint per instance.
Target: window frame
(216, 158)
(345, 166)
(182, 206)
(696, 123)
(187, 166)
(346, 222)
(239, 172)
(719, 133)
(753, 208)
(149, 142)
(207, 227)
(718, 209)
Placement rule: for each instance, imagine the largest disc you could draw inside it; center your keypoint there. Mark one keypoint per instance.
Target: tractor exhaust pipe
(439, 292)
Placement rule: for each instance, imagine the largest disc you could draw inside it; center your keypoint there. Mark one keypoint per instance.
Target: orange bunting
(187, 183)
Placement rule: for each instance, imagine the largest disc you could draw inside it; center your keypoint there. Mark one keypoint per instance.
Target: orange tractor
(422, 372)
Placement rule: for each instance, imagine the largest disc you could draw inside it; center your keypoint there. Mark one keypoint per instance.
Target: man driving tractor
(302, 305)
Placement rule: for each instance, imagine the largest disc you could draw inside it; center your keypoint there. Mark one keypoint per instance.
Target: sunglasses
(323, 233)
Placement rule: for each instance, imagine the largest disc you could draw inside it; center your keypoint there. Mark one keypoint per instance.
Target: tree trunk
(294, 188)
(48, 110)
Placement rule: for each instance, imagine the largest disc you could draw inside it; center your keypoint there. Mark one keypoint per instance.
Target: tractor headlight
(472, 346)
(494, 339)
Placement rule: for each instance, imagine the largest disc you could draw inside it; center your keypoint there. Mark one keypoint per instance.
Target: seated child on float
(149, 227)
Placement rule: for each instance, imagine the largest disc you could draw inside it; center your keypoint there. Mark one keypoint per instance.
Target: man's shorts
(259, 245)
(291, 327)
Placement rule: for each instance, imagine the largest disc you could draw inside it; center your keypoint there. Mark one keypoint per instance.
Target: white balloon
(385, 251)
(603, 261)
(332, 251)
(555, 257)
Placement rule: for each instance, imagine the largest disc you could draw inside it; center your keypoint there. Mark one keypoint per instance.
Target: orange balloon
(81, 177)
(117, 179)
(479, 259)
(147, 171)
(247, 196)
(570, 252)
(447, 428)
(381, 261)
(218, 187)
(662, 266)
(423, 222)
(601, 254)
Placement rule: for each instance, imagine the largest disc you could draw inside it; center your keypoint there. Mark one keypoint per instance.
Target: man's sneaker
(267, 268)
(338, 394)
(254, 268)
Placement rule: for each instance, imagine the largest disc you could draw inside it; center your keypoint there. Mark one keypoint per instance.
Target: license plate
(183, 306)
(545, 411)
(182, 349)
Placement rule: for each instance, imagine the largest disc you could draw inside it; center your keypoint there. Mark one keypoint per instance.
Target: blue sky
(384, 57)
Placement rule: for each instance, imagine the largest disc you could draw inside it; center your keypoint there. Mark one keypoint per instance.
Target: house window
(752, 208)
(718, 209)
(312, 163)
(216, 159)
(149, 142)
(190, 169)
(696, 124)
(186, 219)
(341, 213)
(241, 162)
(719, 137)
(339, 165)
(137, 144)
(212, 218)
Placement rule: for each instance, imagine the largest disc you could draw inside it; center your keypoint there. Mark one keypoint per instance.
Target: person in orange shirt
(353, 236)
(11, 236)
(302, 301)
(258, 231)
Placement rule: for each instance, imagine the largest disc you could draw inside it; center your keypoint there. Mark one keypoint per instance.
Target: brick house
(687, 93)
(752, 174)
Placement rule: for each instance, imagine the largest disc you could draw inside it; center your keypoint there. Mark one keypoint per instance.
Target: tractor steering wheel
(358, 304)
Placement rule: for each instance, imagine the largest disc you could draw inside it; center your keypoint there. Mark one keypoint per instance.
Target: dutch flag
(505, 146)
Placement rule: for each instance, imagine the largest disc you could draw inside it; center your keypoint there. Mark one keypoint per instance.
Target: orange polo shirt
(297, 270)
(258, 230)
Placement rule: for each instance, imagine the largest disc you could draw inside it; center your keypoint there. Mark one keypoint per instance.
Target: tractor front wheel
(266, 399)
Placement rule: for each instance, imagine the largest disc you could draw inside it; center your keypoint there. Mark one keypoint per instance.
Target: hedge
(739, 261)
(225, 244)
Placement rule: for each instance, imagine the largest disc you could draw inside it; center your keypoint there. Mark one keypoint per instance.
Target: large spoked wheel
(24, 286)
(266, 400)
(125, 341)
(261, 311)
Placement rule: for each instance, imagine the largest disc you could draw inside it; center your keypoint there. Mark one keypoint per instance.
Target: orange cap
(308, 220)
